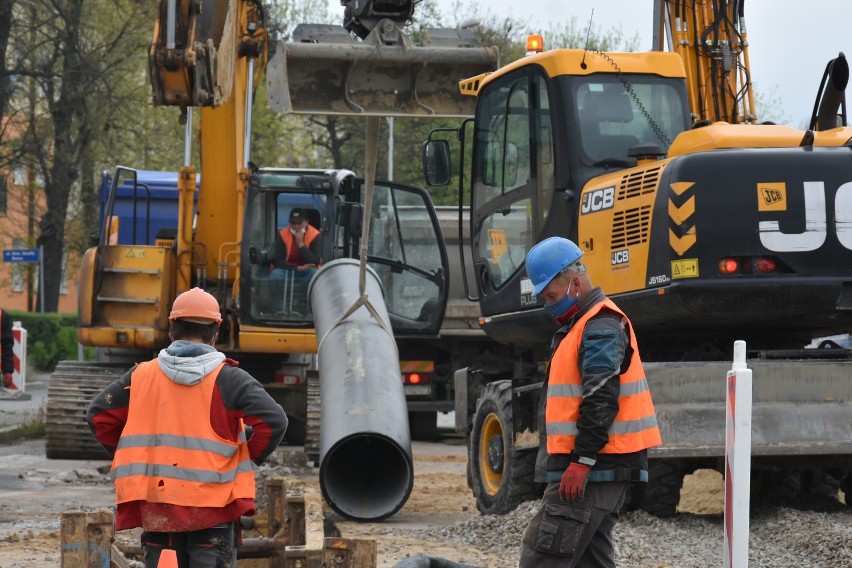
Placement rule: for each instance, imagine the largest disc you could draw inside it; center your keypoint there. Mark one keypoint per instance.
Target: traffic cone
(168, 559)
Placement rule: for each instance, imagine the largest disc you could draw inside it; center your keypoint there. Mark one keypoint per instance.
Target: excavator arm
(195, 45)
(710, 36)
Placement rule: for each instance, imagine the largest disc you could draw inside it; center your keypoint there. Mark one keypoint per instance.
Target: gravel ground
(439, 519)
(779, 537)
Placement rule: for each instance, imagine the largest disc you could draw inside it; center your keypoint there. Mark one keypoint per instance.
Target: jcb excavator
(705, 227)
(212, 54)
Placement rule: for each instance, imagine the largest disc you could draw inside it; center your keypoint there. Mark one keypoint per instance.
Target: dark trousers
(576, 534)
(215, 547)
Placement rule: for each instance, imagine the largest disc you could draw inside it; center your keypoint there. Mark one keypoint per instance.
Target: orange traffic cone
(168, 559)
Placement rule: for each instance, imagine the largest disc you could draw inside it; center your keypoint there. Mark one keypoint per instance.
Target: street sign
(21, 255)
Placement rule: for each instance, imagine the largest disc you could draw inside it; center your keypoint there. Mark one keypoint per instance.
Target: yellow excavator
(704, 224)
(213, 54)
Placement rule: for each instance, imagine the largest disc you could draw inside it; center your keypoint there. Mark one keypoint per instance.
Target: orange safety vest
(635, 425)
(293, 256)
(168, 451)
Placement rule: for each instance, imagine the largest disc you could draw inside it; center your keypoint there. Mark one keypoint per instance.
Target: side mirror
(436, 162)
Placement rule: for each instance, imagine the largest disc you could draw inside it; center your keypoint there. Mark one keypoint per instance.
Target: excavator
(212, 55)
(702, 223)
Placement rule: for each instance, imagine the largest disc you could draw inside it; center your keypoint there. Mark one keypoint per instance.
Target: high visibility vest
(635, 425)
(168, 451)
(293, 256)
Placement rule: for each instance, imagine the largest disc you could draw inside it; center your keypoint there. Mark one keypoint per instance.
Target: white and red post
(19, 356)
(737, 460)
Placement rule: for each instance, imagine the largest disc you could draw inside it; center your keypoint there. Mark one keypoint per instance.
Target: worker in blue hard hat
(596, 414)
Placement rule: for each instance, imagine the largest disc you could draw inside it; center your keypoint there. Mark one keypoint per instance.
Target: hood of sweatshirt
(186, 362)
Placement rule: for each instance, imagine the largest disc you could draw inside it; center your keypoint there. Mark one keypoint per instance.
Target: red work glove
(573, 483)
(7, 381)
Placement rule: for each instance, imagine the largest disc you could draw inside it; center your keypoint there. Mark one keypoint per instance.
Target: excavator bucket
(324, 70)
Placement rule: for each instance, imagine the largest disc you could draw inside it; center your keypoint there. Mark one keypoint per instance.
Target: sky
(790, 41)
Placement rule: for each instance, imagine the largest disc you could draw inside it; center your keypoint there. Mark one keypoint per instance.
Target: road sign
(21, 255)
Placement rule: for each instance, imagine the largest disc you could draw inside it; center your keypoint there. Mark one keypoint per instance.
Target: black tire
(776, 487)
(661, 495)
(821, 484)
(423, 426)
(501, 478)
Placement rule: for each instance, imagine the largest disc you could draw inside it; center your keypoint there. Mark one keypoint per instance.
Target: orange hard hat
(196, 306)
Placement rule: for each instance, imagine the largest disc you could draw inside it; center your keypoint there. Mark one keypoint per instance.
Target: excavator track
(73, 385)
(312, 436)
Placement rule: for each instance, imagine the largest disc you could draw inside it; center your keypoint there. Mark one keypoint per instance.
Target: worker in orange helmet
(597, 419)
(175, 427)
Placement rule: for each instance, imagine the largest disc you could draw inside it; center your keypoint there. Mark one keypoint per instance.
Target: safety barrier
(19, 356)
(737, 459)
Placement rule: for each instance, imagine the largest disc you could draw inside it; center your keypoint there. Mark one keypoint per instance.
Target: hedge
(51, 338)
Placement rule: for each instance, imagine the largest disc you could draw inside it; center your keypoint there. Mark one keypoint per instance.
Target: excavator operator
(297, 250)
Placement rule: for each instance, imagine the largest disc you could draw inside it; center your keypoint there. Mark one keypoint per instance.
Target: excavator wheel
(73, 385)
(661, 495)
(501, 477)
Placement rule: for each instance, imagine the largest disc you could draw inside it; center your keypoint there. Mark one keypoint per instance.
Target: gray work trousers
(576, 534)
(215, 547)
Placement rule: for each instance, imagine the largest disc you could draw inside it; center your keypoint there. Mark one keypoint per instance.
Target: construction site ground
(440, 518)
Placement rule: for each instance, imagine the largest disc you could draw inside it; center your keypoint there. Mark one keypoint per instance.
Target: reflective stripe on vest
(635, 425)
(168, 451)
(293, 255)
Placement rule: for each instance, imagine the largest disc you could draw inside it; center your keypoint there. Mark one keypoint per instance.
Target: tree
(74, 51)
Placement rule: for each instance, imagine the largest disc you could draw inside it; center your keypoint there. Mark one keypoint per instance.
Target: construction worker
(298, 249)
(7, 344)
(175, 426)
(597, 419)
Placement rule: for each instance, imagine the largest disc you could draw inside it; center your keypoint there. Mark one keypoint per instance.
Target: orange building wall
(13, 225)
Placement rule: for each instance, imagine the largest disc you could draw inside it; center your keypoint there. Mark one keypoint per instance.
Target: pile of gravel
(779, 537)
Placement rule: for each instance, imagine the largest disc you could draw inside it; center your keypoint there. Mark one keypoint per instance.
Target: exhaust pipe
(366, 470)
(834, 80)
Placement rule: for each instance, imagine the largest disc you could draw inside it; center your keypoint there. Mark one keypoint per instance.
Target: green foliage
(50, 338)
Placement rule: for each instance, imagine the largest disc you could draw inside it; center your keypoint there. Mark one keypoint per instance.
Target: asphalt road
(26, 408)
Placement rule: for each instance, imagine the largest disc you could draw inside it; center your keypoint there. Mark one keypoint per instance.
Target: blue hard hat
(548, 258)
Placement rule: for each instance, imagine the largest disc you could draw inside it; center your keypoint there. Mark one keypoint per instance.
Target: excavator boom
(194, 48)
(710, 36)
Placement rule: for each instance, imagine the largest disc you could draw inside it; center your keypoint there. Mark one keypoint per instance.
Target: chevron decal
(682, 244)
(680, 186)
(680, 240)
(681, 214)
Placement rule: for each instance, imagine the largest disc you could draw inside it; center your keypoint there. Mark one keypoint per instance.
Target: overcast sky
(790, 41)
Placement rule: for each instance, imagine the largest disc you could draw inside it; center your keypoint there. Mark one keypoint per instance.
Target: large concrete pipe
(366, 471)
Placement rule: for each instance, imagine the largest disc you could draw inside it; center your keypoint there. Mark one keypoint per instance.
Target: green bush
(50, 338)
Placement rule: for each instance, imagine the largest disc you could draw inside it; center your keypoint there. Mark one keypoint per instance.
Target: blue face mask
(556, 309)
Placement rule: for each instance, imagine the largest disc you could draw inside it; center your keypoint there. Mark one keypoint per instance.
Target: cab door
(512, 186)
(407, 251)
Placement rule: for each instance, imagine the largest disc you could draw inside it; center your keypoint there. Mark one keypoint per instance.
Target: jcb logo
(598, 200)
(772, 196)
(620, 257)
(816, 227)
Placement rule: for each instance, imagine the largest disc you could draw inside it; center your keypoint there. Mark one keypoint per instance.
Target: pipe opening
(366, 477)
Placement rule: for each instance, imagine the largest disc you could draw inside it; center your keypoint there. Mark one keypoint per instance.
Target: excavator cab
(405, 248)
(537, 141)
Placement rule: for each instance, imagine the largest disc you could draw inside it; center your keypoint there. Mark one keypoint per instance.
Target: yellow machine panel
(614, 227)
(128, 306)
